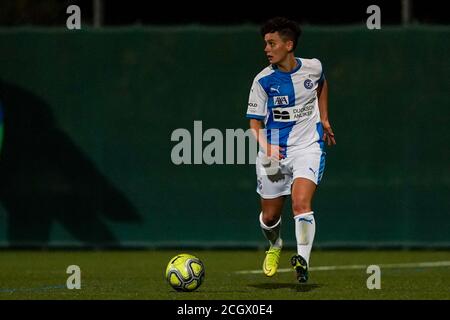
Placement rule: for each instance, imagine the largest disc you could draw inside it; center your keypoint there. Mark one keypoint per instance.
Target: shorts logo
(281, 100)
(308, 84)
(259, 184)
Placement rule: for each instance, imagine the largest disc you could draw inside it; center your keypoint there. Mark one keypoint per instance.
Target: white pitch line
(361, 266)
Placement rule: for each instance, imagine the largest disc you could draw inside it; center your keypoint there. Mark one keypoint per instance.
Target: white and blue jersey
(288, 101)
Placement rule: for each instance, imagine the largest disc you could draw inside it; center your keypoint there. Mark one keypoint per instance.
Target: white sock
(272, 233)
(305, 228)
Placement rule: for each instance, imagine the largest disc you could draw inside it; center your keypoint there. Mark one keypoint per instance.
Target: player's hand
(328, 135)
(274, 152)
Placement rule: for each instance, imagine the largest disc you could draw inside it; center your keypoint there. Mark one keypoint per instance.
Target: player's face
(276, 48)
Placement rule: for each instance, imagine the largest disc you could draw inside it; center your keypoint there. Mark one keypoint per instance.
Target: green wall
(88, 117)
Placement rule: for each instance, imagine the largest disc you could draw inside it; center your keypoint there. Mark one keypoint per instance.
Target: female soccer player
(288, 111)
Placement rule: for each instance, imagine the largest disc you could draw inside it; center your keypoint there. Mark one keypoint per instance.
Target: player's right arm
(272, 151)
(257, 112)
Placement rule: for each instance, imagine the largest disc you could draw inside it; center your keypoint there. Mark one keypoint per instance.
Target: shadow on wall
(45, 178)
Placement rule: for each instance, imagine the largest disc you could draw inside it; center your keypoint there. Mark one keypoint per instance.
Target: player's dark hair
(288, 29)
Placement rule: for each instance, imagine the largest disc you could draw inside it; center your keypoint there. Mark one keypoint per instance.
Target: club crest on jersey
(308, 84)
(280, 100)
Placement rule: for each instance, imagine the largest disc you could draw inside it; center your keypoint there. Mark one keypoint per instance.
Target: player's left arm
(322, 93)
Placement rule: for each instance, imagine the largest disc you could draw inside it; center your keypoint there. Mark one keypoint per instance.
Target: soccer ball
(185, 272)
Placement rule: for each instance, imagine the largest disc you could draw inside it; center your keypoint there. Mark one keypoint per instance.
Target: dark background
(88, 114)
(230, 12)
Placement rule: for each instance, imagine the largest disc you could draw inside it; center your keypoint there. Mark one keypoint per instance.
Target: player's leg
(302, 195)
(308, 169)
(273, 187)
(270, 222)
(270, 219)
(305, 226)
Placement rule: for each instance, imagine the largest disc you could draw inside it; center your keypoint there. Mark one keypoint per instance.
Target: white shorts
(274, 179)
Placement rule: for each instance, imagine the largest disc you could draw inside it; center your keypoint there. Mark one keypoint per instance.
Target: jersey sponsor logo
(281, 100)
(275, 89)
(280, 115)
(252, 107)
(296, 113)
(308, 84)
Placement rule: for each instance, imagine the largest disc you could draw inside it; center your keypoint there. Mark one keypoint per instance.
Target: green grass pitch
(230, 274)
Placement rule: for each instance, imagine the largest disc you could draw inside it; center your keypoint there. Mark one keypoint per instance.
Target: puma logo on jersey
(277, 89)
(312, 171)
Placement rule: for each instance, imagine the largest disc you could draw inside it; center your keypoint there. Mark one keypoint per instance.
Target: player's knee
(270, 219)
(301, 206)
